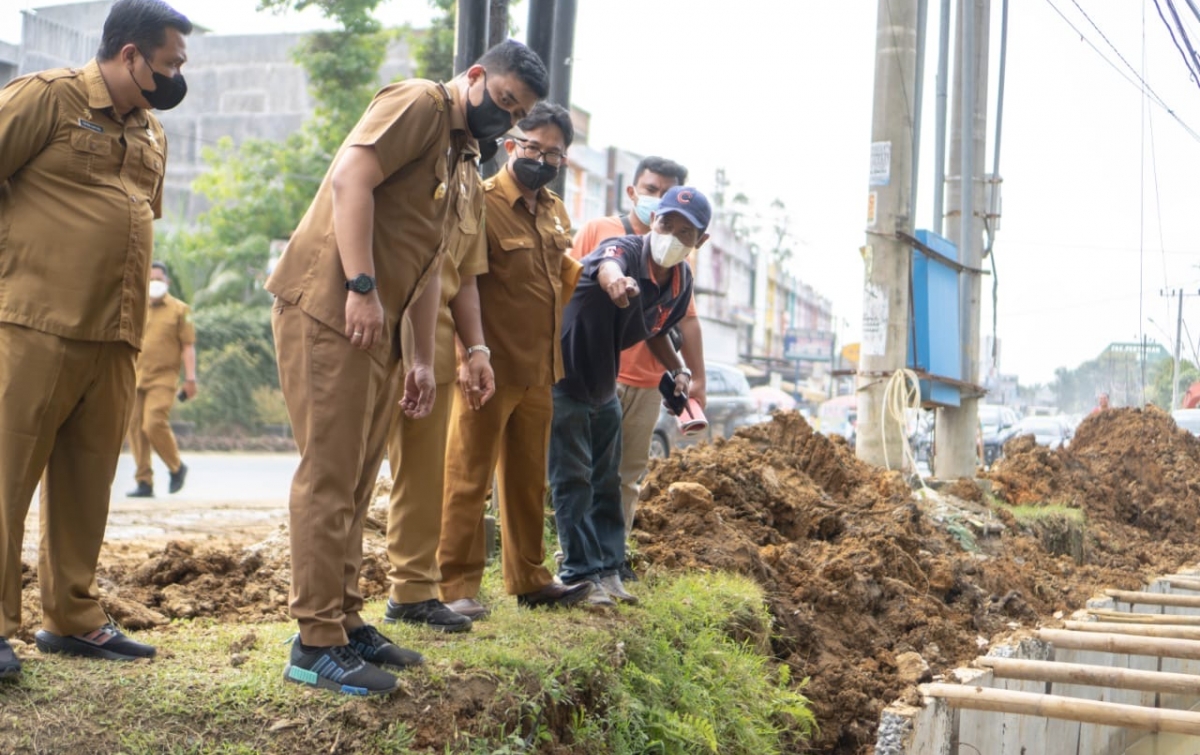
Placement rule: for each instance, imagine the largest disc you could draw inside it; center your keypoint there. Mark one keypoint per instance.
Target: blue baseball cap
(688, 202)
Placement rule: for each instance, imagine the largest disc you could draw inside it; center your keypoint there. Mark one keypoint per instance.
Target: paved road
(227, 495)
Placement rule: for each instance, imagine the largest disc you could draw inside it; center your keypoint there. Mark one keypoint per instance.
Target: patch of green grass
(686, 671)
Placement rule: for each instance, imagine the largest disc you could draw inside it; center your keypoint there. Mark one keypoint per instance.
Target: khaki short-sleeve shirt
(80, 188)
(521, 297)
(421, 141)
(168, 329)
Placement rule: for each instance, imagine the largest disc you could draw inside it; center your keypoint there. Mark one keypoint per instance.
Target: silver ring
(358, 333)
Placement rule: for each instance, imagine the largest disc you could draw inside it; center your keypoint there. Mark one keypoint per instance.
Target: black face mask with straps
(487, 120)
(532, 173)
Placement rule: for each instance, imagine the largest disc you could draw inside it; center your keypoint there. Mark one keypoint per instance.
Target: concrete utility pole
(497, 22)
(552, 36)
(957, 428)
(1178, 339)
(887, 264)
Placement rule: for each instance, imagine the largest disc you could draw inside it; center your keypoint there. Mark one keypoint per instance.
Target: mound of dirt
(860, 573)
(1131, 467)
(185, 581)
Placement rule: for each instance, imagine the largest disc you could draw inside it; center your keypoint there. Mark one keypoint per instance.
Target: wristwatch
(681, 371)
(487, 352)
(363, 284)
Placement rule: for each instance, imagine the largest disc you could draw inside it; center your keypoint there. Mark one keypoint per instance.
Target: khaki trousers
(416, 451)
(639, 414)
(510, 434)
(150, 427)
(64, 407)
(338, 400)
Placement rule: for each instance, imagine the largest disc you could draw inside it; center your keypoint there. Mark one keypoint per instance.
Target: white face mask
(158, 289)
(667, 250)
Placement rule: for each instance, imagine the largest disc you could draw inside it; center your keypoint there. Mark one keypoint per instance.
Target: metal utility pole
(552, 36)
(497, 22)
(540, 33)
(470, 33)
(887, 260)
(958, 428)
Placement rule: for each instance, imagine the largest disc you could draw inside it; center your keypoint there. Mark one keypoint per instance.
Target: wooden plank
(1141, 630)
(1154, 599)
(1101, 676)
(1121, 643)
(1051, 706)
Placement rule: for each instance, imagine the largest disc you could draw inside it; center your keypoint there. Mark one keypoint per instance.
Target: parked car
(1050, 432)
(994, 420)
(730, 405)
(1188, 419)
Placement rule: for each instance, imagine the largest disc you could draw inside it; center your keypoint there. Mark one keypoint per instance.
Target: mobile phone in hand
(182, 395)
(676, 403)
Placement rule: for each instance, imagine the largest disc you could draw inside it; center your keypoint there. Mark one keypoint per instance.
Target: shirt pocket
(92, 160)
(150, 172)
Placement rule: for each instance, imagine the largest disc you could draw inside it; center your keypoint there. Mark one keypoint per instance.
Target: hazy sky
(1096, 197)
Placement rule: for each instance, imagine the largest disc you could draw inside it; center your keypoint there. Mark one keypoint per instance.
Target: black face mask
(487, 120)
(532, 173)
(168, 91)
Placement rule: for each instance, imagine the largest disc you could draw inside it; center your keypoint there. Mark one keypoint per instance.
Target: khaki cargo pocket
(92, 160)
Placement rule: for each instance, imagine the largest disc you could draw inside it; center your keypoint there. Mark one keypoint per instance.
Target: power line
(1144, 87)
(1187, 62)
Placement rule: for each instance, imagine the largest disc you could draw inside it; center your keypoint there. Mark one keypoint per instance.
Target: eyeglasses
(553, 157)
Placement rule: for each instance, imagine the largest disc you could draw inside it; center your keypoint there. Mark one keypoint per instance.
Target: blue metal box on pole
(934, 338)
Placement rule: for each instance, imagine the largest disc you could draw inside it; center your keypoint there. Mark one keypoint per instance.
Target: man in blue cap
(633, 288)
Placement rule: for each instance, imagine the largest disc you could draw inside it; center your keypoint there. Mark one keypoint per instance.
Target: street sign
(808, 344)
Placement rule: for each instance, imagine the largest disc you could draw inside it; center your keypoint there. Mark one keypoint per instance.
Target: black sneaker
(379, 650)
(432, 613)
(626, 572)
(10, 665)
(339, 668)
(107, 642)
(177, 478)
(143, 490)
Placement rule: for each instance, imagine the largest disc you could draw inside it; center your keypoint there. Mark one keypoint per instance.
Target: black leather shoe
(177, 478)
(555, 595)
(143, 490)
(431, 613)
(10, 665)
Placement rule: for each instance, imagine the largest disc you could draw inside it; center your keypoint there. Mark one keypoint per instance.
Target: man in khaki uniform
(521, 298)
(417, 447)
(369, 250)
(80, 185)
(169, 343)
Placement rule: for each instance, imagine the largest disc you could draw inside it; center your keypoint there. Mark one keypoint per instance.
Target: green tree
(434, 47)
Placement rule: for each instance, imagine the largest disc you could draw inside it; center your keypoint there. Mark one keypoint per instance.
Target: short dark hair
(140, 22)
(663, 167)
(512, 57)
(547, 114)
(161, 266)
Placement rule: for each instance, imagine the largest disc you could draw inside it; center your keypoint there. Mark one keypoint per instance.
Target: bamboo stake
(1069, 708)
(1151, 630)
(1121, 643)
(1184, 584)
(1155, 599)
(1144, 618)
(1100, 676)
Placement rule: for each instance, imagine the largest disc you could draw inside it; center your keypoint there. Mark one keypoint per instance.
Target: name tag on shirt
(91, 126)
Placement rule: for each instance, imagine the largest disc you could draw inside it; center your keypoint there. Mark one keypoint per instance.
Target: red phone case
(692, 420)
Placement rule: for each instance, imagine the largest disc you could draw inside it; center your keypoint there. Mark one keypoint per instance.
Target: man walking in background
(81, 174)
(637, 383)
(169, 342)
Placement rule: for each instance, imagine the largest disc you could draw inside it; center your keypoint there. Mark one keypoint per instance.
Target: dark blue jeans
(585, 482)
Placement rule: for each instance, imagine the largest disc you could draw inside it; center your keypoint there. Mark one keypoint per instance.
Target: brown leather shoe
(556, 595)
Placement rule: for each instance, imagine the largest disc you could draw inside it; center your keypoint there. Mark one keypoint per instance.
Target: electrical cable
(901, 393)
(1171, 31)
(1144, 87)
(1194, 60)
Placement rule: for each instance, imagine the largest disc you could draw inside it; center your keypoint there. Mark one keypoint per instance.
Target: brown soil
(858, 569)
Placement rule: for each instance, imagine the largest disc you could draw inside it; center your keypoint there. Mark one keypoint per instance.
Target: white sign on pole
(875, 321)
(881, 163)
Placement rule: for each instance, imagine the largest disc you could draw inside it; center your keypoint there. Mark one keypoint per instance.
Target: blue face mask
(645, 207)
